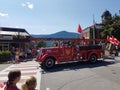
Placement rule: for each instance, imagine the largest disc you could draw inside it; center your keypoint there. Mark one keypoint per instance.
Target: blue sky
(51, 16)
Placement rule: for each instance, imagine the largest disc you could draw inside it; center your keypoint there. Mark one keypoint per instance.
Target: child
(13, 78)
(30, 84)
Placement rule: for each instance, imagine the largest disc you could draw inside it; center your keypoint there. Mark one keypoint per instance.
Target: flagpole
(93, 28)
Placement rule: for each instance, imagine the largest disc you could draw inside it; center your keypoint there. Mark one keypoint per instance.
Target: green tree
(107, 22)
(106, 17)
(116, 26)
(41, 43)
(111, 25)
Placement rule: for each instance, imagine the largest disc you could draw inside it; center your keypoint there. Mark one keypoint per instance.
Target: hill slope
(62, 34)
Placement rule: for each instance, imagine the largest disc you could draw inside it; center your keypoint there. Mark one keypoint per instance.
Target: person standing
(12, 55)
(13, 78)
(17, 55)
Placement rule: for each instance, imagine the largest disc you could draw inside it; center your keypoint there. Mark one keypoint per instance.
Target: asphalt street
(104, 75)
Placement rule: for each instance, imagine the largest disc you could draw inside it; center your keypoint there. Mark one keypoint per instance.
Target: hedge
(5, 56)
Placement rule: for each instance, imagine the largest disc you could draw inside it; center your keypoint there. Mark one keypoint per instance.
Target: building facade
(13, 37)
(93, 32)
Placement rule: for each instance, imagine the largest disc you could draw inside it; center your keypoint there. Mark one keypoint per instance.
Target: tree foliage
(111, 25)
(41, 43)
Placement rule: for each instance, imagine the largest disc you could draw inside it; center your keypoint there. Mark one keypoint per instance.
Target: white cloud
(28, 4)
(3, 14)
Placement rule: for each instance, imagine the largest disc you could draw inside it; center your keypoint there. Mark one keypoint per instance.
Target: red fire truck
(70, 51)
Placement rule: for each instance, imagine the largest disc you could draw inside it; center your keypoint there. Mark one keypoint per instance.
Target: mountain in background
(61, 34)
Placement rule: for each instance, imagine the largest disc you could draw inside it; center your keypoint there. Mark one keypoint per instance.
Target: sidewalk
(30, 68)
(108, 56)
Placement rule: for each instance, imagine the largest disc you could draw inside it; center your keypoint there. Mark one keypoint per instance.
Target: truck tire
(49, 63)
(93, 58)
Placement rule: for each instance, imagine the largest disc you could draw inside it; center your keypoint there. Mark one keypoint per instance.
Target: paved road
(75, 76)
(83, 76)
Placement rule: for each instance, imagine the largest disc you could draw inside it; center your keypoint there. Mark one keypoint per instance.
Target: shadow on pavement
(77, 66)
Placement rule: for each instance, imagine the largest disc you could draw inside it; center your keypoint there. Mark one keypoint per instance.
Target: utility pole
(94, 24)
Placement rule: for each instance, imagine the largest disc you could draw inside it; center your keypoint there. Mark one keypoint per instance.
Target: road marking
(38, 77)
(27, 69)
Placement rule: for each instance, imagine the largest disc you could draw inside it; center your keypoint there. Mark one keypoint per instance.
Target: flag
(108, 38)
(116, 42)
(81, 32)
(79, 29)
(113, 40)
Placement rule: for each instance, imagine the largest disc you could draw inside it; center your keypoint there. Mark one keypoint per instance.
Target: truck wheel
(49, 63)
(93, 58)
